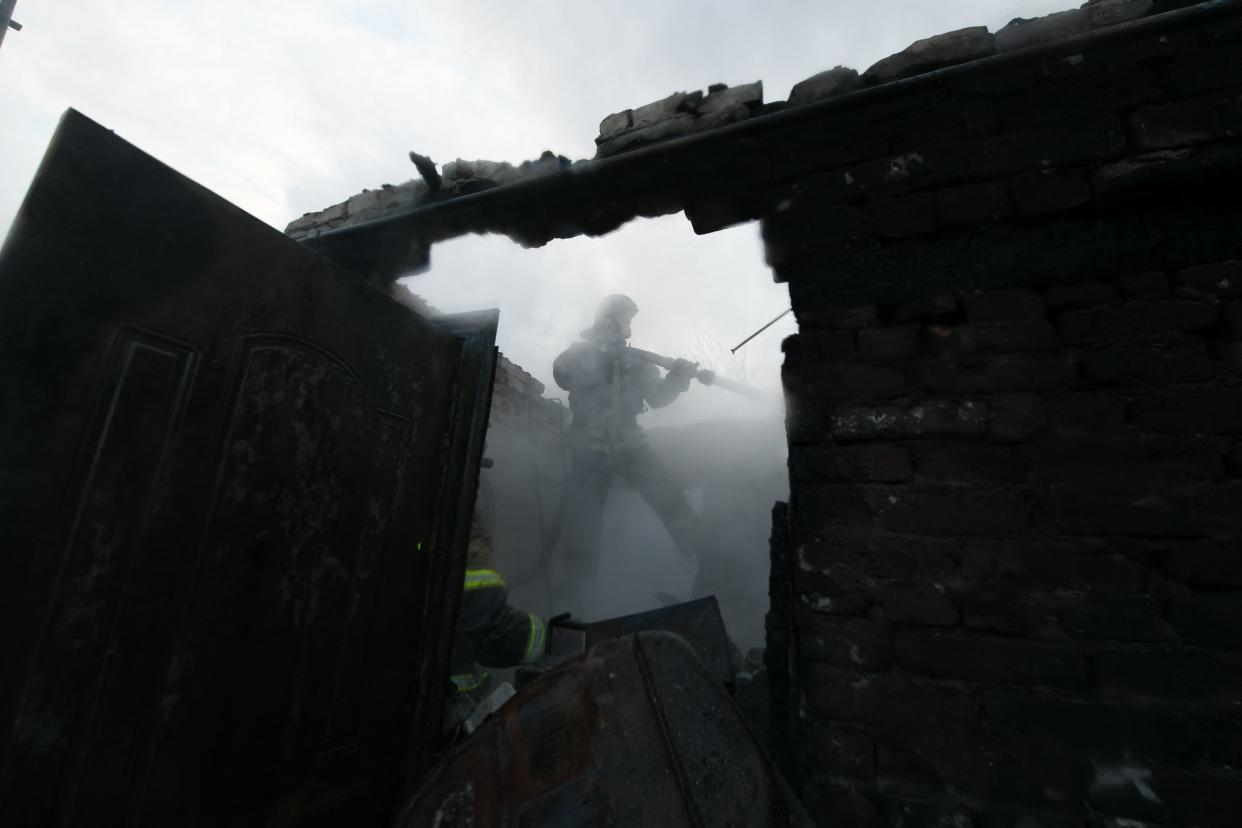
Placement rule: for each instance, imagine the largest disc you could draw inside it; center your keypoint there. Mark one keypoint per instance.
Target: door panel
(224, 474)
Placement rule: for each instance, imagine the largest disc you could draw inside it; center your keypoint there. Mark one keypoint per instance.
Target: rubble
(682, 113)
(933, 53)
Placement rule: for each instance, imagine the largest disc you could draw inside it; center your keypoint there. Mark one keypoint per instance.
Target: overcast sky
(285, 107)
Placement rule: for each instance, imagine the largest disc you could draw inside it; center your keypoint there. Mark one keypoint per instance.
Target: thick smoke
(697, 298)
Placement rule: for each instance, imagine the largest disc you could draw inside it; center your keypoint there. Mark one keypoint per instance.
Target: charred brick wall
(1015, 426)
(1011, 580)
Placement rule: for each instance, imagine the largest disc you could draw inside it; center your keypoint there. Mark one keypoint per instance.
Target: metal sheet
(699, 622)
(636, 732)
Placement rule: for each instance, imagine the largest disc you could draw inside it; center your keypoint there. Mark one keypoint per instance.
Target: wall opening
(697, 299)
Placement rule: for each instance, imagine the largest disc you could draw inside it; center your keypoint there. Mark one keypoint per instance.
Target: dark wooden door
(234, 481)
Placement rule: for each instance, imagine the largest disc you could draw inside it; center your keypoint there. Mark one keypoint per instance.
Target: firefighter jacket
(608, 388)
(489, 631)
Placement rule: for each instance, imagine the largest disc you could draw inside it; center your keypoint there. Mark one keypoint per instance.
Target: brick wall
(1009, 588)
(1016, 513)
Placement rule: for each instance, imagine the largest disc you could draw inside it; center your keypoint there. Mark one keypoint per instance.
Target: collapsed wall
(1012, 590)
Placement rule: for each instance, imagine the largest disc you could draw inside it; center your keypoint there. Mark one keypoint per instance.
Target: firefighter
(608, 388)
(489, 631)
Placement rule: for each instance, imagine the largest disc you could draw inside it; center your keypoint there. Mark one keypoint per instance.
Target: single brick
(830, 504)
(899, 342)
(932, 307)
(852, 319)
(896, 218)
(1219, 279)
(993, 514)
(845, 382)
(938, 417)
(1043, 193)
(838, 750)
(917, 604)
(974, 204)
(1114, 617)
(1176, 124)
(1016, 417)
(822, 346)
(996, 373)
(894, 709)
(873, 462)
(1212, 411)
(1210, 620)
(1204, 565)
(1138, 319)
(1165, 673)
(986, 305)
(969, 461)
(1150, 285)
(992, 337)
(843, 641)
(1186, 362)
(983, 658)
(1085, 415)
(1069, 564)
(1080, 295)
(1137, 506)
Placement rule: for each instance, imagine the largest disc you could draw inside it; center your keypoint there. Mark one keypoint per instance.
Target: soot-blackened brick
(872, 463)
(891, 344)
(933, 307)
(974, 204)
(1209, 620)
(933, 418)
(1205, 565)
(847, 319)
(983, 658)
(1114, 617)
(988, 305)
(1168, 672)
(824, 346)
(1139, 319)
(858, 643)
(1085, 415)
(992, 514)
(1043, 193)
(1212, 411)
(1083, 294)
(839, 750)
(830, 504)
(845, 382)
(1184, 362)
(991, 337)
(1176, 124)
(1151, 284)
(999, 373)
(1016, 417)
(917, 604)
(1220, 279)
(1106, 735)
(1085, 564)
(969, 461)
(1135, 506)
(897, 218)
(893, 708)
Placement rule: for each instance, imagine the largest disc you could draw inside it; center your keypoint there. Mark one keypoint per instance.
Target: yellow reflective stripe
(466, 682)
(534, 641)
(483, 579)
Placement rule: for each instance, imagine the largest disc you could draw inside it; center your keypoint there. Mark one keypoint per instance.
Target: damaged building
(1006, 587)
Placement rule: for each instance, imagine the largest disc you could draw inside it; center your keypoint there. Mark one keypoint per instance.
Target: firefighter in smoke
(490, 632)
(609, 386)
